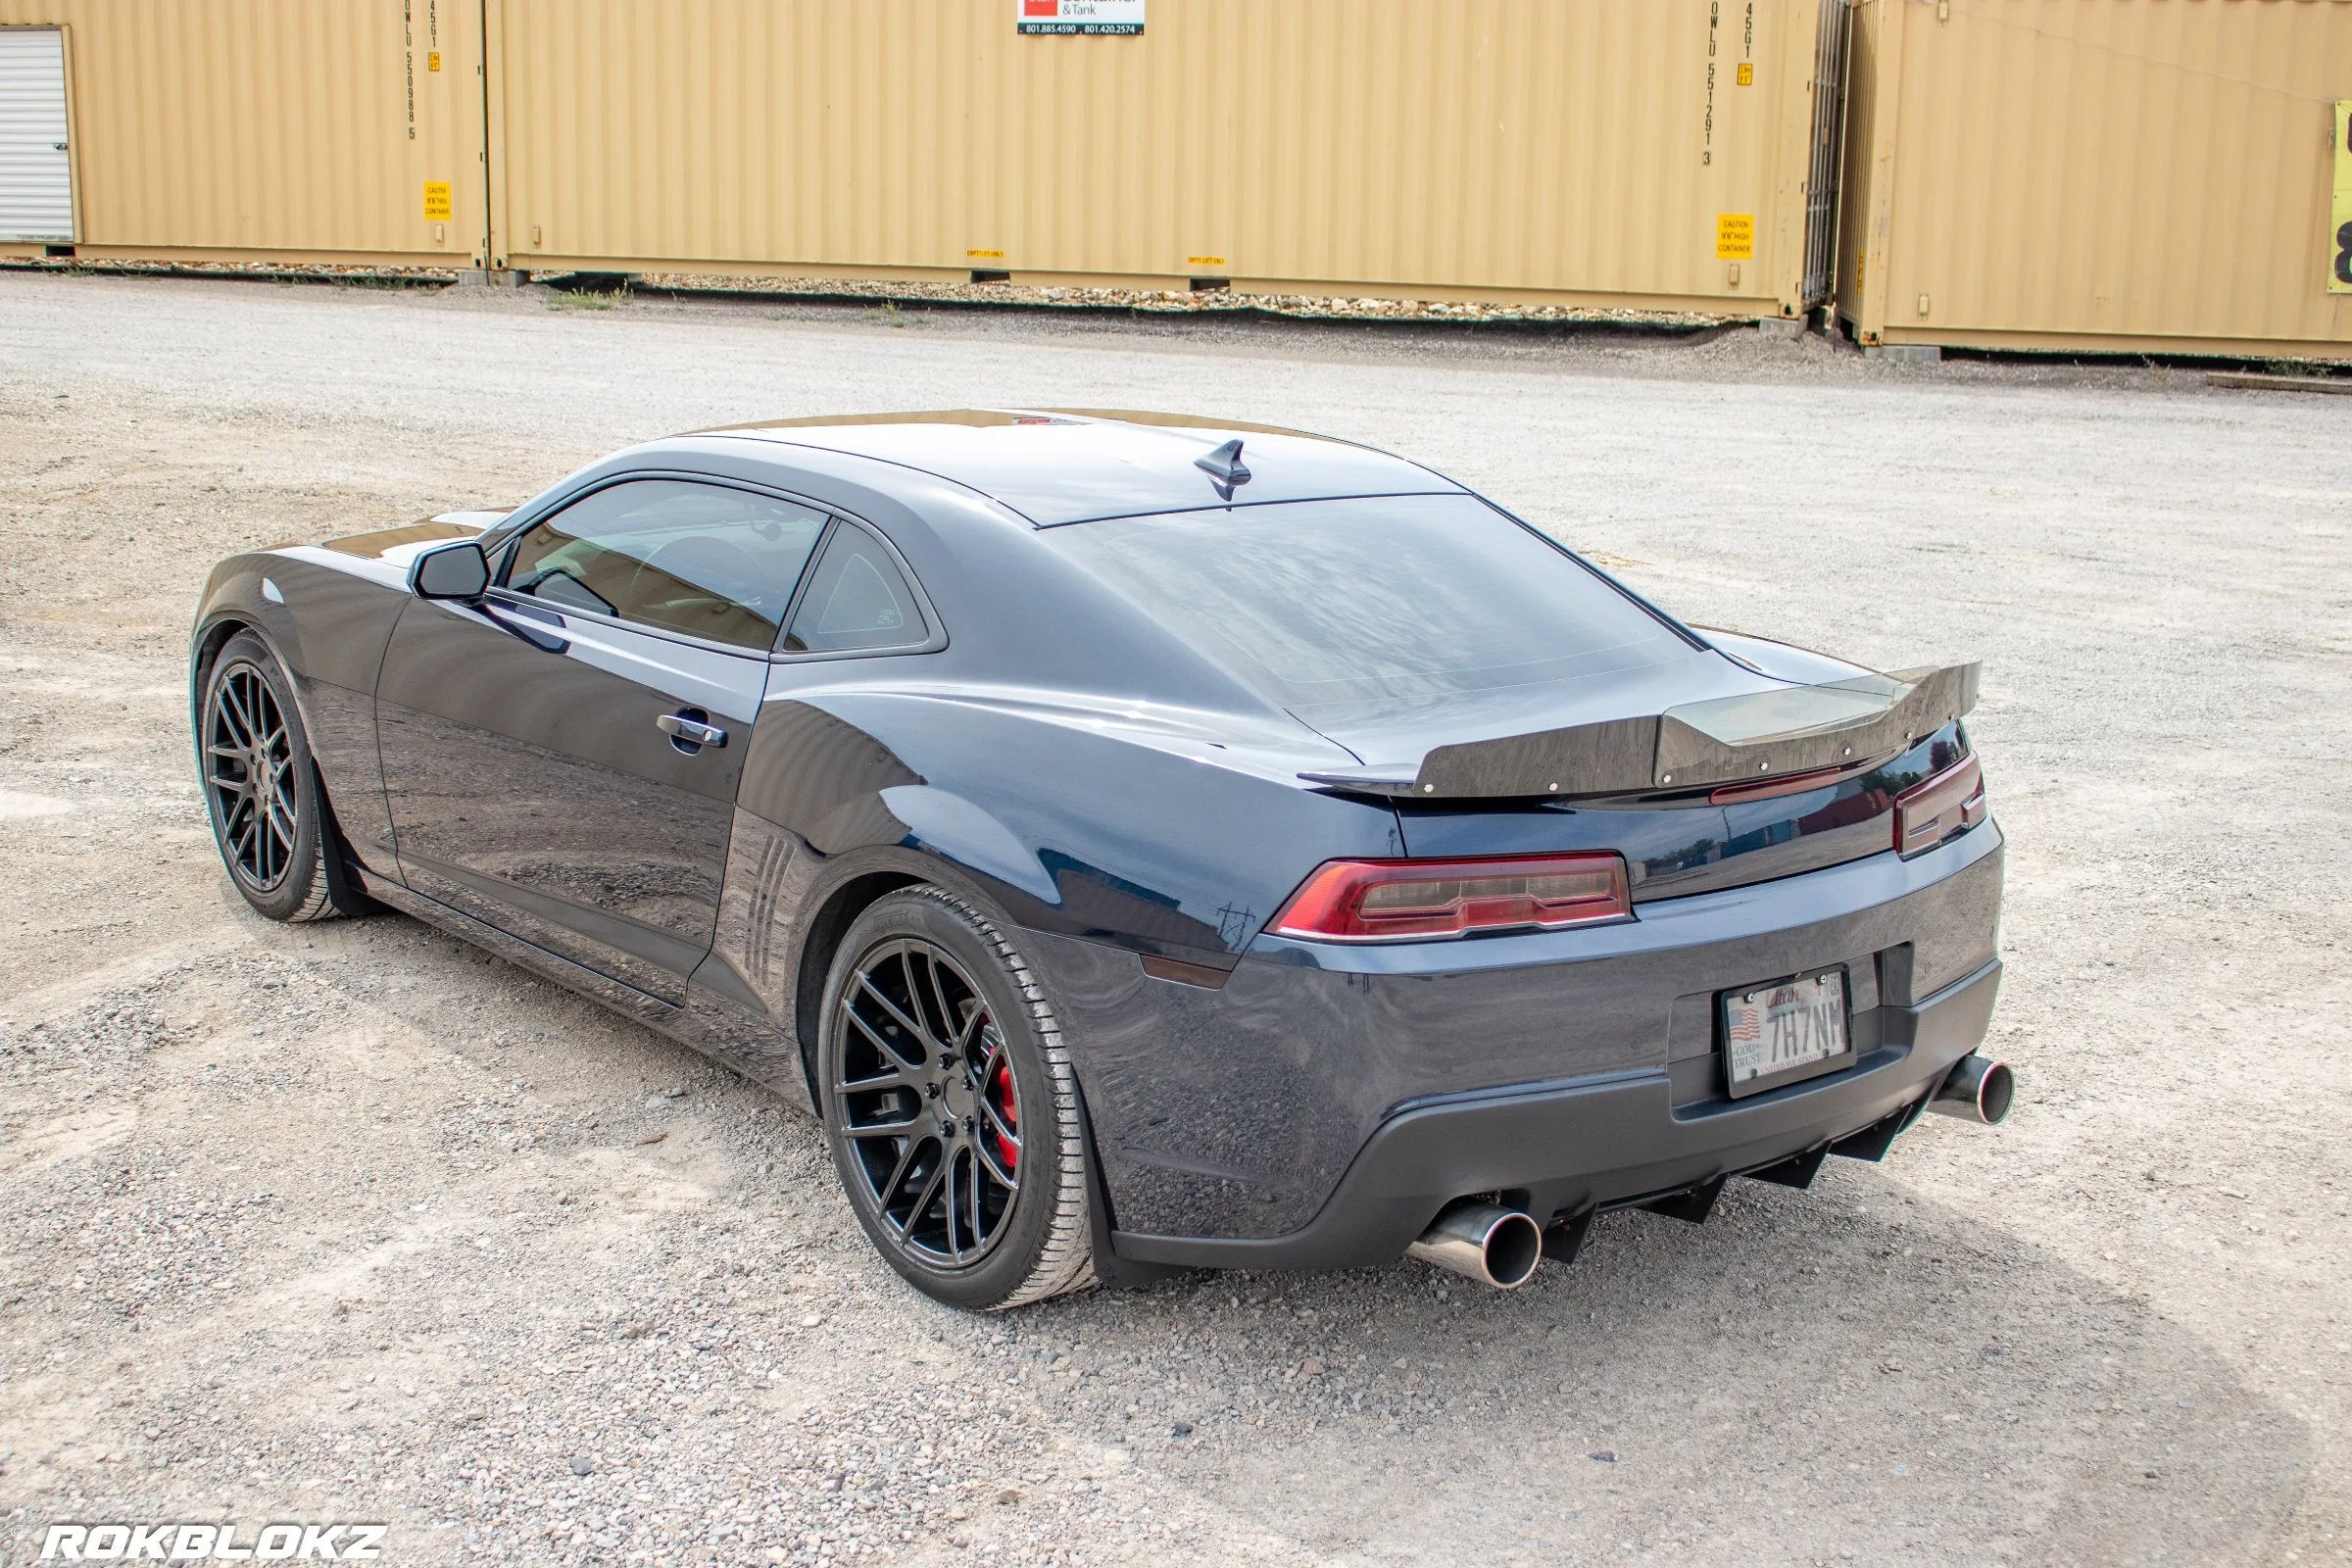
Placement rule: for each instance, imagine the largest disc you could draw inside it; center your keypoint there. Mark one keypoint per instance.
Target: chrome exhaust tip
(1977, 1089)
(1484, 1242)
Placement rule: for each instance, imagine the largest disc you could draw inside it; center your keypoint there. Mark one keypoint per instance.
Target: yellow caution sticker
(1734, 236)
(985, 255)
(1747, 72)
(1204, 261)
(2339, 213)
(436, 201)
(432, 61)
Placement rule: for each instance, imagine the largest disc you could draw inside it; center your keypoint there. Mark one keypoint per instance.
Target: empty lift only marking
(2340, 210)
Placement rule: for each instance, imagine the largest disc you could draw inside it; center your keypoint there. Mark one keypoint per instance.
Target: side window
(700, 559)
(856, 599)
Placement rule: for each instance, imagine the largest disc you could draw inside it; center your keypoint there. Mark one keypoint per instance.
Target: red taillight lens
(1373, 901)
(1929, 813)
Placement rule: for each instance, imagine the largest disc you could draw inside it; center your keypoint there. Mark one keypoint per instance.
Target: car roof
(1064, 465)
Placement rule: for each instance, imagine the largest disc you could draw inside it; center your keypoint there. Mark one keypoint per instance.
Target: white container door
(37, 183)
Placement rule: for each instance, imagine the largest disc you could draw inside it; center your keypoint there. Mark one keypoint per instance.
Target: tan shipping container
(2134, 175)
(313, 131)
(1630, 153)
(1646, 154)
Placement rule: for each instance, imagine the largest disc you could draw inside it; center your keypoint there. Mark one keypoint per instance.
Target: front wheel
(951, 1108)
(260, 788)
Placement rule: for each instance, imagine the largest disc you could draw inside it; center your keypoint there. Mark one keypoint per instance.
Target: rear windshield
(1404, 597)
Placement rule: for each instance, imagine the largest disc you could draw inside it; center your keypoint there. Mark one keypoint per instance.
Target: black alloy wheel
(269, 819)
(951, 1106)
(929, 1102)
(249, 768)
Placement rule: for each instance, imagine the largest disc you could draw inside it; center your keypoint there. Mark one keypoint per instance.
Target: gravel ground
(349, 1222)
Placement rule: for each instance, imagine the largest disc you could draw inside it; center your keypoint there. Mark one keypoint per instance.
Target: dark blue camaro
(1142, 840)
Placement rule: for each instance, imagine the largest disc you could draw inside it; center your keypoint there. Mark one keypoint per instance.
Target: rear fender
(781, 906)
(1159, 845)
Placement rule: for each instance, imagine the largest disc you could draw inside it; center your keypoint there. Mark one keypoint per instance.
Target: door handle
(688, 733)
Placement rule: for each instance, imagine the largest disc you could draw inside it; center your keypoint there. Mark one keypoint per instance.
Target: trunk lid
(1735, 765)
(1674, 847)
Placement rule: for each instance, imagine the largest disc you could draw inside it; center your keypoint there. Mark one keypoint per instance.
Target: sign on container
(1122, 19)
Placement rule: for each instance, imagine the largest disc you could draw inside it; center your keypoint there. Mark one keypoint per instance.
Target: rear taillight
(1927, 813)
(1375, 901)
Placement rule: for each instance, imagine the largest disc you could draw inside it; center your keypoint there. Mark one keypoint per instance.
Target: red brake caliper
(1000, 1096)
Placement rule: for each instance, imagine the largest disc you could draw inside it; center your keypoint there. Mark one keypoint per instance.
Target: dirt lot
(351, 1223)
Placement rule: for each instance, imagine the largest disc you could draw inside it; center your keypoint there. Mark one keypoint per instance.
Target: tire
(248, 732)
(992, 1097)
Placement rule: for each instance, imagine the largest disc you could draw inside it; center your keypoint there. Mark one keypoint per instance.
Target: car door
(561, 757)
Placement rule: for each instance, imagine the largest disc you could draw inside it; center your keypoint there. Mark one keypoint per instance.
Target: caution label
(432, 60)
(436, 201)
(1746, 77)
(1734, 236)
(2339, 213)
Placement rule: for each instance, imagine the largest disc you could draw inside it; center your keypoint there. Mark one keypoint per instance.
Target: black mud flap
(1112, 1271)
(343, 889)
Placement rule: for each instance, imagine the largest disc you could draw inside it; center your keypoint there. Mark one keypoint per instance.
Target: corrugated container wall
(1630, 152)
(1642, 153)
(313, 130)
(2097, 175)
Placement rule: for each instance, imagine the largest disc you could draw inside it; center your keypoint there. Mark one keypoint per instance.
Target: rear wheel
(259, 787)
(951, 1107)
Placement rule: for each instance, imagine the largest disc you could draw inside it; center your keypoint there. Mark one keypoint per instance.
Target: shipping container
(1631, 154)
(297, 131)
(2119, 175)
(1628, 153)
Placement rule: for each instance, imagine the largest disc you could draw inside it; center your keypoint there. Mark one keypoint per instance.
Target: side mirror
(452, 571)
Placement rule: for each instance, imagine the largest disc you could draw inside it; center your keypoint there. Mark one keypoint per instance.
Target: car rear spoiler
(1727, 739)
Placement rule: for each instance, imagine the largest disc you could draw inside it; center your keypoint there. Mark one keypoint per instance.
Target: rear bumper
(1563, 1147)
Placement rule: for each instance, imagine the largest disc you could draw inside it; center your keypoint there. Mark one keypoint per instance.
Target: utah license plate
(1789, 1029)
